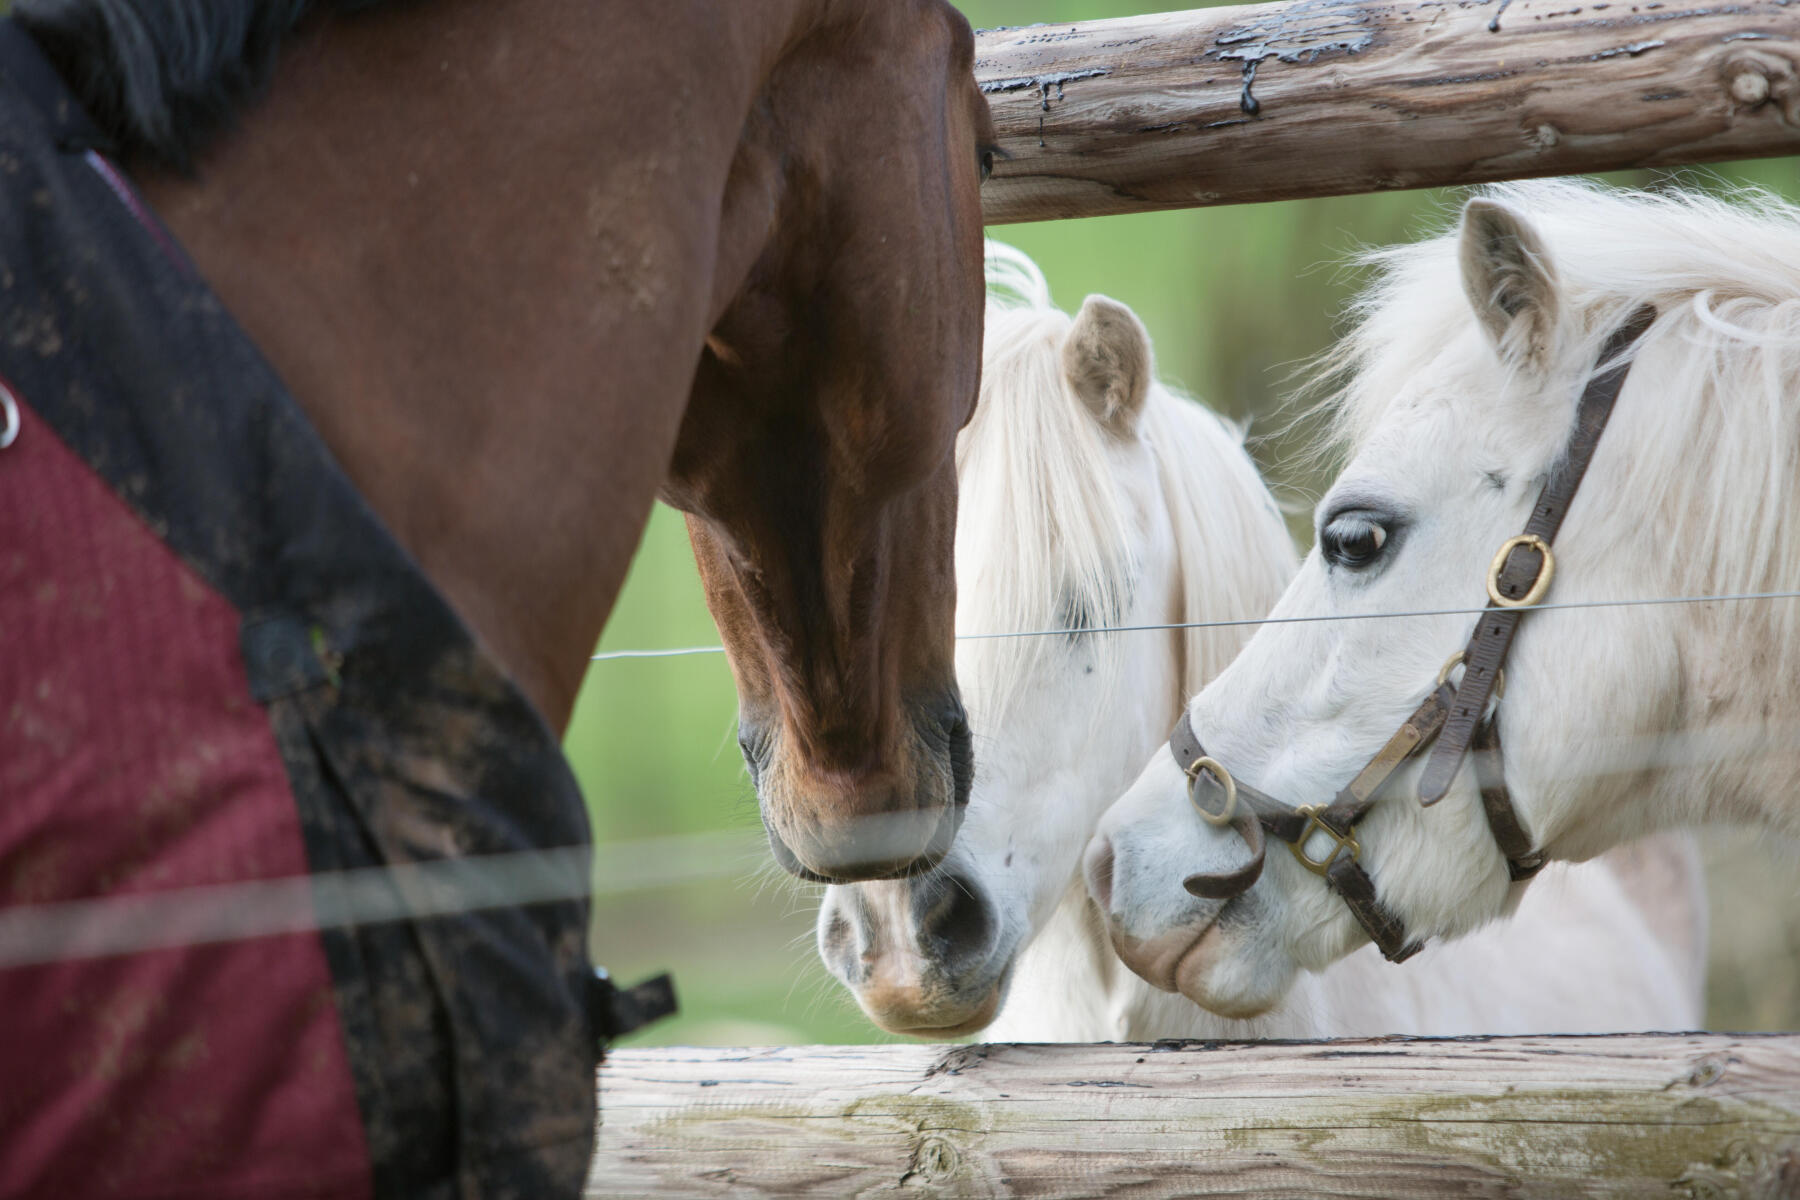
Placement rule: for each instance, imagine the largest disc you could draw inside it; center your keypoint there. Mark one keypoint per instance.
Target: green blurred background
(1233, 297)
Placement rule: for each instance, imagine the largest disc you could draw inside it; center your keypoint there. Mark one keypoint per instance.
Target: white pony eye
(1353, 539)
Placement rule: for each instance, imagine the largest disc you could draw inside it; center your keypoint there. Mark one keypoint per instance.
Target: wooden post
(1328, 97)
(1680, 1115)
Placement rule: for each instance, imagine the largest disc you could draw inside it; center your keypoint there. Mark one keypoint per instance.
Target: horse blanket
(218, 668)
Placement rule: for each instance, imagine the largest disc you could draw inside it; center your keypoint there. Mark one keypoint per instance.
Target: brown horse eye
(987, 165)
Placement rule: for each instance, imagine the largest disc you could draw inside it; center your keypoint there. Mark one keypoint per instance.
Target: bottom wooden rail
(1702, 1115)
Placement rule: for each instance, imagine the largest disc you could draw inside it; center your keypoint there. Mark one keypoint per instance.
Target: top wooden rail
(1329, 97)
(1665, 1116)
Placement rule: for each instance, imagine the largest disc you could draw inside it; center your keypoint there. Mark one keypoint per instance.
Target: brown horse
(343, 347)
(525, 263)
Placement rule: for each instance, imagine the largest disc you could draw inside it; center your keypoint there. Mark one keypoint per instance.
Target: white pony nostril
(1097, 869)
(959, 927)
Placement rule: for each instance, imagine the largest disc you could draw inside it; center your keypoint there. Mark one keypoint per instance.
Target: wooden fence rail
(1327, 97)
(1679, 1115)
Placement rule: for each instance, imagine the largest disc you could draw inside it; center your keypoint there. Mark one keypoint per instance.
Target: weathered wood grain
(1698, 1115)
(1327, 97)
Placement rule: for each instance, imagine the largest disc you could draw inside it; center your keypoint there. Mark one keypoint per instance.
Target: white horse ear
(1108, 362)
(1509, 280)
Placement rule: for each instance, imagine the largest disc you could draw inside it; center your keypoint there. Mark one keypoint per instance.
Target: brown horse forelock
(825, 529)
(496, 247)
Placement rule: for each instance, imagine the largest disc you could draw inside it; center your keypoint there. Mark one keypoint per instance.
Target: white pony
(1092, 496)
(1461, 385)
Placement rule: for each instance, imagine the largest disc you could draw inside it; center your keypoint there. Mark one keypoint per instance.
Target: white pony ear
(1509, 280)
(1108, 362)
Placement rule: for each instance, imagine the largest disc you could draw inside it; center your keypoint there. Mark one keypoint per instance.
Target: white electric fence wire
(675, 652)
(76, 929)
(80, 929)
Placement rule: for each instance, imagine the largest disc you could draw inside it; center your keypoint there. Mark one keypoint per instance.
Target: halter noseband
(1452, 720)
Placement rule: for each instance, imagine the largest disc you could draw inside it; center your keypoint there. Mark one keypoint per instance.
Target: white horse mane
(1229, 564)
(1724, 275)
(1040, 503)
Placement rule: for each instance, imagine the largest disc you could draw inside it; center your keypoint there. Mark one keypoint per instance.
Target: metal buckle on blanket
(9, 407)
(1341, 842)
(1218, 771)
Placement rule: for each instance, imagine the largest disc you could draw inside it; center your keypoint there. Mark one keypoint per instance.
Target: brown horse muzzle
(889, 818)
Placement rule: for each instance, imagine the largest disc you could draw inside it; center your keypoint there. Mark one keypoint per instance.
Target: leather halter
(1450, 721)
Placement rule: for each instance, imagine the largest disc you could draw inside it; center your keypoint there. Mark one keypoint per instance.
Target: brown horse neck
(481, 243)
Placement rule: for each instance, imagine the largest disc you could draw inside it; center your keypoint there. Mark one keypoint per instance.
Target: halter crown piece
(1451, 721)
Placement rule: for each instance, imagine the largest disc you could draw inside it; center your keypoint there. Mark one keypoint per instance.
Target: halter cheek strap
(1451, 720)
(1522, 861)
(1520, 573)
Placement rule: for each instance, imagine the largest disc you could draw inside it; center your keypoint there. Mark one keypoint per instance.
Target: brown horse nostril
(945, 725)
(753, 744)
(962, 761)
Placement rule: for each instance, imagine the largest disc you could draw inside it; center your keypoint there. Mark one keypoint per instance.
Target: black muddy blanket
(218, 669)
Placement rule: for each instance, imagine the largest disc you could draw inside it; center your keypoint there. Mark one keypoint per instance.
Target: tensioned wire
(32, 934)
(678, 651)
(254, 908)
(299, 904)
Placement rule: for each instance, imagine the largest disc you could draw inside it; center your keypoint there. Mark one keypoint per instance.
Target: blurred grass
(1233, 298)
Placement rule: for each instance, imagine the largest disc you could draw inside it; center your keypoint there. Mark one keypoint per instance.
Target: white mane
(1040, 503)
(1237, 557)
(1724, 275)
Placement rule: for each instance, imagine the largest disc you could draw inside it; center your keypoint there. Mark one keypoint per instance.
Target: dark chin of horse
(949, 821)
(959, 748)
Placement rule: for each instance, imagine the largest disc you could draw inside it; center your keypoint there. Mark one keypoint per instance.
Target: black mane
(162, 76)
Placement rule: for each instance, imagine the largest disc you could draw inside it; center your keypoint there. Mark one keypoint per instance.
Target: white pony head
(1079, 478)
(1461, 381)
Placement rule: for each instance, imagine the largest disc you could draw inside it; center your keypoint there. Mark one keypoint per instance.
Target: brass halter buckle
(1540, 585)
(1218, 771)
(1343, 842)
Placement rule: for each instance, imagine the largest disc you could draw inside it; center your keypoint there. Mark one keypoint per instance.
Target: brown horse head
(815, 460)
(522, 263)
